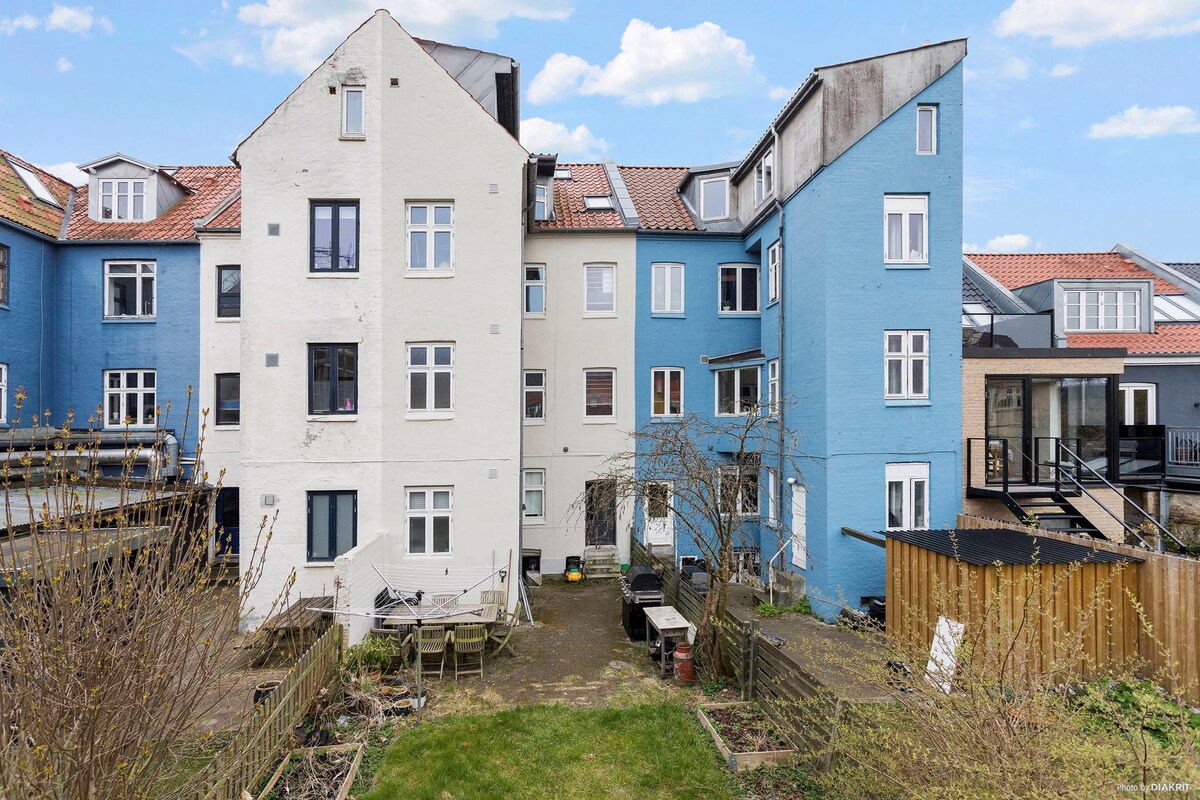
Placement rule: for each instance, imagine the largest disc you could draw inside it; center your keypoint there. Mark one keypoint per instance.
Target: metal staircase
(1051, 510)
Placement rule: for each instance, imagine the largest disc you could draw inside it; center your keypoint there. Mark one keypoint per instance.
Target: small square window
(594, 202)
(714, 198)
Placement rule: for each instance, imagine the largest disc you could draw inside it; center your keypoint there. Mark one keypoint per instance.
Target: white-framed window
(535, 394)
(535, 290)
(533, 491)
(772, 497)
(905, 229)
(430, 236)
(667, 294)
(906, 365)
(600, 288)
(739, 489)
(1139, 404)
(599, 393)
(130, 289)
(430, 377)
(773, 395)
(429, 513)
(737, 289)
(123, 200)
(737, 391)
(907, 496)
(562, 173)
(3, 393)
(666, 392)
(597, 202)
(714, 198)
(927, 130)
(774, 266)
(1103, 310)
(764, 177)
(541, 205)
(130, 397)
(353, 111)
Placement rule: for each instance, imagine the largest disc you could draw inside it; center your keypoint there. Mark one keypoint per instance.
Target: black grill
(641, 587)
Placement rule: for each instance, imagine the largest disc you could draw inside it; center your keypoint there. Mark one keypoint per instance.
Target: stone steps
(600, 564)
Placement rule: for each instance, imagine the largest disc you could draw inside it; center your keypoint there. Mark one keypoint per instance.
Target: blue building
(819, 281)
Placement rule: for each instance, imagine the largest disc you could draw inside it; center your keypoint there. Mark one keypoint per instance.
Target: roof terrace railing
(1008, 330)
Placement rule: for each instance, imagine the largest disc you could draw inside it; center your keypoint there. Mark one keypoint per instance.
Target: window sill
(533, 421)
(429, 273)
(352, 137)
(906, 264)
(599, 420)
(433, 416)
(535, 316)
(223, 320)
(599, 315)
(535, 521)
(129, 320)
(774, 302)
(319, 564)
(4, 307)
(332, 418)
(327, 274)
(907, 401)
(229, 426)
(736, 314)
(429, 555)
(664, 418)
(668, 315)
(123, 428)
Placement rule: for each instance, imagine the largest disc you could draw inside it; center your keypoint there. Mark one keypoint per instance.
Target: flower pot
(263, 690)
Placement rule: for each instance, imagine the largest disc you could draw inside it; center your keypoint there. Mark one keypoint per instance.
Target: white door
(659, 509)
(1139, 405)
(799, 526)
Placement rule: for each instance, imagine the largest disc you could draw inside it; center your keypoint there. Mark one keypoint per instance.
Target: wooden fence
(254, 751)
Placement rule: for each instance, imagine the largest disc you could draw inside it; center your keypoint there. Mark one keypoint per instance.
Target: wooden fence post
(752, 658)
(744, 666)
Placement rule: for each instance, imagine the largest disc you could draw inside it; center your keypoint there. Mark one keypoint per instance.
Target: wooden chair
(493, 597)
(431, 640)
(469, 640)
(445, 600)
(501, 632)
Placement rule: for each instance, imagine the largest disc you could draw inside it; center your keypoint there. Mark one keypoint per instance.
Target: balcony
(1152, 453)
(1007, 330)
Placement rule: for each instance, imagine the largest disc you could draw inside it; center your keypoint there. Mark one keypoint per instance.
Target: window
(332, 524)
(667, 294)
(229, 291)
(799, 526)
(3, 393)
(907, 496)
(737, 391)
(738, 289)
(764, 177)
(906, 364)
(714, 198)
(600, 288)
(430, 378)
(535, 394)
(905, 229)
(1139, 404)
(333, 379)
(123, 200)
(3, 275)
(597, 202)
(229, 398)
(130, 287)
(429, 512)
(772, 497)
(352, 112)
(739, 488)
(1103, 310)
(533, 483)
(334, 237)
(539, 202)
(562, 174)
(774, 264)
(130, 398)
(535, 290)
(598, 393)
(926, 130)
(35, 184)
(430, 236)
(666, 392)
(773, 395)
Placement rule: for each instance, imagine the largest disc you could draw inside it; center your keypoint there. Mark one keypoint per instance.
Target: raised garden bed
(746, 737)
(315, 773)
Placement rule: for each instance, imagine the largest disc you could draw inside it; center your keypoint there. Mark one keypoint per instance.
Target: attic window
(352, 112)
(123, 200)
(714, 198)
(597, 202)
(35, 184)
(562, 174)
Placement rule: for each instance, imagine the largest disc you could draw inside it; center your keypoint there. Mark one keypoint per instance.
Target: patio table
(669, 624)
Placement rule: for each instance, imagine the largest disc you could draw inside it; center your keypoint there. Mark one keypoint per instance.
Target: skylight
(562, 174)
(597, 202)
(1175, 308)
(35, 184)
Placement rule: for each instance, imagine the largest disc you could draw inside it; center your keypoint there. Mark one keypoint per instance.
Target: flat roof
(24, 512)
(988, 546)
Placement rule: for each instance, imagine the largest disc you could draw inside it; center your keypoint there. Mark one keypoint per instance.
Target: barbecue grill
(640, 588)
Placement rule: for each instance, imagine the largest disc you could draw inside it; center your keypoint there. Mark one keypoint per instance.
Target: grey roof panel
(1000, 545)
(1190, 269)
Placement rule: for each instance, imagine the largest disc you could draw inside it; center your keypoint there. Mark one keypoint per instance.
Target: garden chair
(501, 632)
(469, 640)
(431, 640)
(445, 600)
(491, 597)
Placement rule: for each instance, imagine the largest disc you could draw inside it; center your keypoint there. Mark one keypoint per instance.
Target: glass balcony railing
(1007, 330)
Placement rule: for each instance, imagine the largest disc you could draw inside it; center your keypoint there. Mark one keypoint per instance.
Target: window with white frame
(599, 387)
(562, 173)
(430, 237)
(773, 396)
(533, 485)
(905, 229)
(123, 200)
(1139, 404)
(774, 265)
(535, 394)
(772, 497)
(737, 391)
(907, 496)
(737, 289)
(906, 364)
(430, 378)
(3, 393)
(429, 512)
(535, 290)
(1103, 310)
(540, 205)
(597, 202)
(667, 294)
(130, 398)
(600, 287)
(130, 289)
(353, 122)
(739, 488)
(666, 392)
(764, 177)
(926, 130)
(714, 198)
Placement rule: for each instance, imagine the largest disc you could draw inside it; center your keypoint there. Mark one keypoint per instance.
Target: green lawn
(644, 752)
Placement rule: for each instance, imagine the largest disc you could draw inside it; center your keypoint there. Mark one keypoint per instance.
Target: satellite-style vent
(703, 359)
(272, 359)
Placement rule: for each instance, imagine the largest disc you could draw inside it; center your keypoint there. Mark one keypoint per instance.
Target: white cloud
(1009, 242)
(10, 25)
(1015, 68)
(1063, 70)
(1142, 123)
(63, 65)
(1012, 68)
(1027, 123)
(778, 93)
(1079, 23)
(75, 19)
(543, 136)
(654, 66)
(68, 171)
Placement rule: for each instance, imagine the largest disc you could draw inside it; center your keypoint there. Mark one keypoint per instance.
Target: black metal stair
(1051, 510)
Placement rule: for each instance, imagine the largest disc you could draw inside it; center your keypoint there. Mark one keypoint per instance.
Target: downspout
(779, 423)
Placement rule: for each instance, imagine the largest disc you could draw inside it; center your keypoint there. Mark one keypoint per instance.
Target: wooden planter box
(343, 791)
(739, 762)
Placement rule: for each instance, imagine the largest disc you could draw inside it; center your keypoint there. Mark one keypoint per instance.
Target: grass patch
(772, 610)
(647, 752)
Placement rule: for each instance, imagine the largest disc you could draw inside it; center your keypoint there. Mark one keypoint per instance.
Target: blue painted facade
(26, 322)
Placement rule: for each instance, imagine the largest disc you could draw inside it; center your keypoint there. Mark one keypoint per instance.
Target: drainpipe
(779, 424)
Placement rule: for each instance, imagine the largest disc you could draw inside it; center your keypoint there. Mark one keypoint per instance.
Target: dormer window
(764, 177)
(353, 123)
(597, 202)
(714, 198)
(123, 200)
(540, 204)
(1089, 311)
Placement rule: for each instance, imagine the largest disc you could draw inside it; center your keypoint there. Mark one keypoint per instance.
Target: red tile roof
(17, 203)
(231, 217)
(569, 211)
(1015, 270)
(655, 193)
(1167, 339)
(209, 185)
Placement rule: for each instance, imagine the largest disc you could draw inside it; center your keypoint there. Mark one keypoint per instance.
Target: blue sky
(1082, 116)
